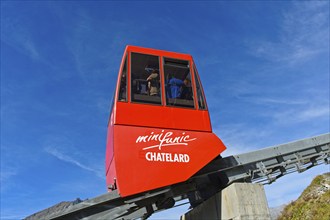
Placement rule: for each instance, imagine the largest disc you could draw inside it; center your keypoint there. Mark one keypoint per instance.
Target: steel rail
(261, 166)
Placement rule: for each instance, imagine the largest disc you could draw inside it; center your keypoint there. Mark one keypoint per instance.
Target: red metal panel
(164, 117)
(158, 52)
(109, 154)
(149, 158)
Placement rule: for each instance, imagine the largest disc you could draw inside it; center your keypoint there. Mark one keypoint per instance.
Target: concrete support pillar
(239, 201)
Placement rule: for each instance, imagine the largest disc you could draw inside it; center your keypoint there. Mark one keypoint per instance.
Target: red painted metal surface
(151, 145)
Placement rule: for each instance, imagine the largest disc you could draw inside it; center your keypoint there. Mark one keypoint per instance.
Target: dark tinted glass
(200, 94)
(123, 83)
(178, 83)
(145, 79)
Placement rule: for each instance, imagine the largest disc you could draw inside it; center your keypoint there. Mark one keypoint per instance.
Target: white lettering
(164, 139)
(141, 138)
(167, 157)
(176, 158)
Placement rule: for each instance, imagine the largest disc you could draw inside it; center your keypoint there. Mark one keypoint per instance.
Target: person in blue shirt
(174, 87)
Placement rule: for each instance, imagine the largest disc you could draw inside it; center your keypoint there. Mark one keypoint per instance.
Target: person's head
(155, 71)
(186, 82)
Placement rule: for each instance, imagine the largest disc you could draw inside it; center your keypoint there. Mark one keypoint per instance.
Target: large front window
(178, 83)
(145, 79)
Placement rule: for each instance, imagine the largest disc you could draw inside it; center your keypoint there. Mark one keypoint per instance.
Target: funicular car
(159, 130)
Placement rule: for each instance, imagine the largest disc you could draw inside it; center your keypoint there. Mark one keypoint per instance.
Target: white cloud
(83, 43)
(304, 34)
(273, 101)
(61, 156)
(321, 111)
(298, 115)
(6, 174)
(17, 35)
(279, 101)
(241, 138)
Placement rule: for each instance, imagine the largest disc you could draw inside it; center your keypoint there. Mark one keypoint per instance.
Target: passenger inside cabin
(153, 83)
(186, 91)
(174, 90)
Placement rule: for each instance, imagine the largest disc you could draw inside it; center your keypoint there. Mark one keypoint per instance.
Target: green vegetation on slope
(313, 203)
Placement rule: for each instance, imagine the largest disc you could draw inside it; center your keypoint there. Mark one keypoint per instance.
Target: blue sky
(264, 66)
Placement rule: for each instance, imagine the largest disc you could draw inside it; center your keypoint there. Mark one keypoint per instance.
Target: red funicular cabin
(159, 131)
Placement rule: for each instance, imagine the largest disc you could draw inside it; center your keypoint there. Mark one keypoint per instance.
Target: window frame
(166, 103)
(160, 103)
(125, 65)
(197, 80)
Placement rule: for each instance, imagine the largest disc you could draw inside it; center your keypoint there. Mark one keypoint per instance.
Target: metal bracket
(265, 172)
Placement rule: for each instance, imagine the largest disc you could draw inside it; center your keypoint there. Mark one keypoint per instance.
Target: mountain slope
(313, 203)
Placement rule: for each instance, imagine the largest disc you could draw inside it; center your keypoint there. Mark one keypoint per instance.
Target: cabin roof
(144, 50)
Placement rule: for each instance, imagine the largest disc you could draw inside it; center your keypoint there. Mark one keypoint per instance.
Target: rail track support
(238, 201)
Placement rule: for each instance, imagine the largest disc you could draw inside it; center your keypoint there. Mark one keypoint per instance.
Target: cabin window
(199, 90)
(122, 96)
(145, 79)
(178, 83)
